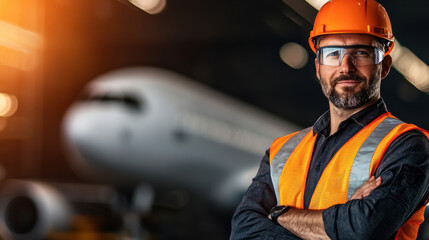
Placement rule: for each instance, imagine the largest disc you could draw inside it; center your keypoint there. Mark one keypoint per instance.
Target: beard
(350, 99)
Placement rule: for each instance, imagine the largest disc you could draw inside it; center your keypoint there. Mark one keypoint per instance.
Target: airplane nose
(95, 126)
(86, 134)
(77, 127)
(97, 135)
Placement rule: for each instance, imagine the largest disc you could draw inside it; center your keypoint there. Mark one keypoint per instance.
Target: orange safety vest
(351, 166)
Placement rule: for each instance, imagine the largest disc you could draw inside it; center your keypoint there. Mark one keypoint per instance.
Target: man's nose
(347, 64)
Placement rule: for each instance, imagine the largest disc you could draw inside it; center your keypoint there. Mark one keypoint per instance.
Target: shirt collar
(363, 118)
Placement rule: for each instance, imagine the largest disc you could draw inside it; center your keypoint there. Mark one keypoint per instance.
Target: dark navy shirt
(404, 170)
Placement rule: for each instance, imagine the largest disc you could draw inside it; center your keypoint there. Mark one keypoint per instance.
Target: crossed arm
(404, 188)
(308, 224)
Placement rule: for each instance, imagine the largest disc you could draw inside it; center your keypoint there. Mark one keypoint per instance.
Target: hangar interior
(255, 52)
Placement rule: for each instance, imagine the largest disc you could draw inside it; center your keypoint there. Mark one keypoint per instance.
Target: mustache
(348, 77)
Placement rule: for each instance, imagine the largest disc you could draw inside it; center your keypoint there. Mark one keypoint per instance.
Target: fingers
(367, 188)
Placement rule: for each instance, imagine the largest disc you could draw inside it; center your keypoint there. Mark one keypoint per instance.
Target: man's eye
(362, 53)
(333, 54)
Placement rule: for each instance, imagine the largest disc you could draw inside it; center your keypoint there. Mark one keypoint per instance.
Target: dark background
(231, 46)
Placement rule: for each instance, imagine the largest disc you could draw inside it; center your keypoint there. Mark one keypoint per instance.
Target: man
(358, 172)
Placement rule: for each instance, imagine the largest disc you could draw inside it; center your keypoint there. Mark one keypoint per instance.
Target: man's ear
(317, 68)
(386, 64)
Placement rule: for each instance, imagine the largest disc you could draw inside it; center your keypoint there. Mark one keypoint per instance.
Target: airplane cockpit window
(132, 101)
(127, 99)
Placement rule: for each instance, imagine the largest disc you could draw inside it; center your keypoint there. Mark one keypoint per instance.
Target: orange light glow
(8, 105)
(18, 46)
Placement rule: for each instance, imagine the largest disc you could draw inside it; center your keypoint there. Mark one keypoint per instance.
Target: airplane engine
(30, 210)
(34, 210)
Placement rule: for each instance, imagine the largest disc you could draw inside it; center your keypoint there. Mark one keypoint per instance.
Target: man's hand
(308, 224)
(366, 188)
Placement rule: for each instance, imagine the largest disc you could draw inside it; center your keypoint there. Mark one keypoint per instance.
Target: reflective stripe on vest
(361, 165)
(276, 166)
(349, 168)
(362, 161)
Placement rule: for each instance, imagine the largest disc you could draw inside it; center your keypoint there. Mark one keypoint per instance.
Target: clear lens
(360, 55)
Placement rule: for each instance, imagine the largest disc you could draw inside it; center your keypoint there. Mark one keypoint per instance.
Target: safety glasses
(360, 55)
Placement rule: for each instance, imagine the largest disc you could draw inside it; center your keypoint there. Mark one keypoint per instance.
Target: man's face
(348, 86)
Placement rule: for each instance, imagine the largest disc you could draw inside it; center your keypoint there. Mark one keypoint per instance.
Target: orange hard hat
(352, 16)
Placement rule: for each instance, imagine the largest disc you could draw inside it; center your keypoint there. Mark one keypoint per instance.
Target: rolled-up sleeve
(405, 182)
(250, 219)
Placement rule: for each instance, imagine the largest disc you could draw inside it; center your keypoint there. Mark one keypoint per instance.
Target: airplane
(158, 127)
(147, 129)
